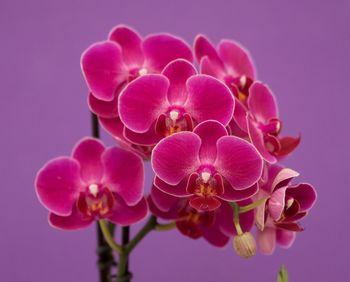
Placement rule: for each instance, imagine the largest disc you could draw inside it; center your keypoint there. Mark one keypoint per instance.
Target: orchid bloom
(260, 120)
(216, 226)
(157, 105)
(278, 219)
(94, 183)
(109, 65)
(229, 62)
(207, 166)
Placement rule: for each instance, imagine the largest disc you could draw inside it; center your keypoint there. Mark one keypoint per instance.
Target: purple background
(300, 49)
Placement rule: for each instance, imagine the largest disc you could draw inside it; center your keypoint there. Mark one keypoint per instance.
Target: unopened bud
(244, 245)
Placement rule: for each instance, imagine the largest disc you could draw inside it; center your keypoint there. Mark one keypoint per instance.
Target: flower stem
(109, 237)
(105, 255)
(149, 226)
(165, 227)
(252, 205)
(236, 218)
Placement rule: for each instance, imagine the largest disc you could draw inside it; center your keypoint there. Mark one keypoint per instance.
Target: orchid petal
(58, 184)
(285, 238)
(130, 42)
(74, 221)
(176, 156)
(267, 240)
(208, 98)
(103, 69)
(237, 60)
(124, 214)
(142, 101)
(257, 139)
(105, 109)
(178, 72)
(238, 162)
(210, 132)
(88, 153)
(124, 174)
(262, 103)
(161, 49)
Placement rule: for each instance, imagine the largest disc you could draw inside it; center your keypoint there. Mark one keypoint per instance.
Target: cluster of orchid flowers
(211, 131)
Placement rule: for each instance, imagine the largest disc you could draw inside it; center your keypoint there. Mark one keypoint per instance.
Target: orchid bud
(244, 245)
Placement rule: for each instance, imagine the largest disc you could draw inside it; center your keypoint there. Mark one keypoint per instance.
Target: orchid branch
(253, 205)
(108, 237)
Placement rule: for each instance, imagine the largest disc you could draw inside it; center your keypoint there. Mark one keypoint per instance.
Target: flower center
(239, 86)
(273, 127)
(96, 202)
(176, 120)
(205, 187)
(135, 73)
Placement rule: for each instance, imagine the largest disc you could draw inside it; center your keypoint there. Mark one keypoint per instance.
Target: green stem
(108, 237)
(148, 227)
(165, 227)
(252, 205)
(236, 218)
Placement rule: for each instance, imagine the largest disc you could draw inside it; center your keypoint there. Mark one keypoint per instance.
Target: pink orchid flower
(229, 62)
(157, 105)
(94, 183)
(109, 65)
(278, 219)
(260, 120)
(216, 226)
(207, 166)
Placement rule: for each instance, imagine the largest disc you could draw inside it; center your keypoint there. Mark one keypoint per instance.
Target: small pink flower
(93, 183)
(157, 105)
(278, 220)
(109, 65)
(263, 125)
(214, 226)
(206, 165)
(229, 62)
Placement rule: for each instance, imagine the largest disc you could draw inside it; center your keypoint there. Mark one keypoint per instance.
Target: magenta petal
(161, 49)
(239, 115)
(71, 222)
(124, 174)
(208, 98)
(105, 109)
(130, 42)
(176, 157)
(103, 69)
(179, 190)
(257, 139)
(215, 237)
(210, 132)
(208, 67)
(127, 215)
(285, 238)
(148, 138)
(230, 194)
(88, 153)
(224, 217)
(236, 59)
(262, 103)
(58, 184)
(282, 178)
(142, 101)
(305, 194)
(171, 214)
(204, 204)
(238, 162)
(113, 126)
(162, 200)
(267, 240)
(276, 203)
(203, 48)
(178, 72)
